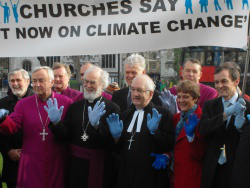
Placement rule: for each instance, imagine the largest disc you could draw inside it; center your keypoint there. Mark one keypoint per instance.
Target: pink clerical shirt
(42, 162)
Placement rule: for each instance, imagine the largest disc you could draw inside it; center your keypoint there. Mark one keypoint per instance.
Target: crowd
(191, 136)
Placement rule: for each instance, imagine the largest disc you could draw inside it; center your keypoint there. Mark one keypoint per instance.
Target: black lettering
(5, 32)
(75, 31)
(59, 10)
(238, 21)
(80, 10)
(45, 32)
(128, 7)
(199, 23)
(26, 16)
(42, 10)
(147, 6)
(211, 21)
(226, 21)
(63, 31)
(21, 33)
(170, 28)
(189, 24)
(172, 3)
(100, 31)
(120, 30)
(111, 6)
(101, 8)
(33, 32)
(70, 8)
(154, 27)
(91, 34)
(159, 5)
(109, 29)
(143, 26)
(132, 29)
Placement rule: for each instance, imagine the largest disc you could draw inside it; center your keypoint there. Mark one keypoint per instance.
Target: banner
(89, 27)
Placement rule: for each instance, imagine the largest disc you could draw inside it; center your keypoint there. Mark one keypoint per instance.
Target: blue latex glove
(96, 114)
(152, 123)
(190, 126)
(239, 121)
(3, 113)
(237, 108)
(54, 113)
(248, 117)
(115, 126)
(169, 101)
(161, 161)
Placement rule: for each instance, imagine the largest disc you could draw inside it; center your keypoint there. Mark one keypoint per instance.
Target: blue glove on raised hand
(54, 113)
(239, 121)
(190, 126)
(169, 101)
(161, 161)
(115, 126)
(237, 108)
(3, 113)
(152, 123)
(96, 114)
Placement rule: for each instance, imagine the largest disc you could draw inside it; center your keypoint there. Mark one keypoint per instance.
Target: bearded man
(92, 163)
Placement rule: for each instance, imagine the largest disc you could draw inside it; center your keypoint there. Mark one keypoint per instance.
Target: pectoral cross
(130, 141)
(84, 137)
(224, 150)
(44, 133)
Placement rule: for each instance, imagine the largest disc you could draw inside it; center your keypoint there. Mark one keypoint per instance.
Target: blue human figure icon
(245, 2)
(6, 12)
(14, 8)
(229, 4)
(204, 4)
(188, 5)
(217, 5)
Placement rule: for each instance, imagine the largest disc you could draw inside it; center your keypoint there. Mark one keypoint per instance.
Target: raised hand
(96, 114)
(115, 126)
(190, 126)
(161, 161)
(54, 113)
(169, 101)
(238, 108)
(152, 123)
(3, 113)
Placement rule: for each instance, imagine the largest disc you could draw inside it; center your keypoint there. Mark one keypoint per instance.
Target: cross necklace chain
(43, 133)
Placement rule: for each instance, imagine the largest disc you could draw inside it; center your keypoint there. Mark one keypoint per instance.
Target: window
(108, 61)
(50, 60)
(27, 65)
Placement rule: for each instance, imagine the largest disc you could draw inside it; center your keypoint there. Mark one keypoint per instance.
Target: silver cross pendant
(84, 137)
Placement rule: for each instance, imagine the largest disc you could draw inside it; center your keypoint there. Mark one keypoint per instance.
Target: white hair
(135, 59)
(104, 75)
(149, 84)
(24, 73)
(48, 69)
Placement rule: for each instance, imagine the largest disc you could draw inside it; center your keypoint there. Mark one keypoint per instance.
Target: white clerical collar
(139, 121)
(58, 92)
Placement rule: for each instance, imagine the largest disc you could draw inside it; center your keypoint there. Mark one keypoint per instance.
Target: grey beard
(92, 96)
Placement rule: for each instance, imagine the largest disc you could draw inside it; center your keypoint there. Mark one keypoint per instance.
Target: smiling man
(134, 65)
(222, 121)
(10, 146)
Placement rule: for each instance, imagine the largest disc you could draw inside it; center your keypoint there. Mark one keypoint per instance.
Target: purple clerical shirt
(73, 94)
(206, 93)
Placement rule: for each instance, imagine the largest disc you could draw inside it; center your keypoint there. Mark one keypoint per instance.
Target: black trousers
(221, 178)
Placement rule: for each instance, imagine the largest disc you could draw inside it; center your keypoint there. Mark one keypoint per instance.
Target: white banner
(63, 27)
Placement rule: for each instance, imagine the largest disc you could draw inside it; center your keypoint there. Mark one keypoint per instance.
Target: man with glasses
(92, 163)
(134, 65)
(144, 130)
(10, 146)
(43, 158)
(62, 75)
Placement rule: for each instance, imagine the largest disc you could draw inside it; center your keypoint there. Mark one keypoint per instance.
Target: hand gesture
(238, 108)
(239, 121)
(54, 113)
(95, 114)
(161, 161)
(115, 126)
(3, 113)
(190, 126)
(169, 101)
(152, 123)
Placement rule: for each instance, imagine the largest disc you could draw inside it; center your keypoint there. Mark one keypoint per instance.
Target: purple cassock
(73, 94)
(206, 93)
(43, 158)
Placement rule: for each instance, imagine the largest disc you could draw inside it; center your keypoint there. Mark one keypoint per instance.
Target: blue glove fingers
(107, 120)
(61, 110)
(161, 99)
(89, 109)
(55, 103)
(100, 107)
(46, 109)
(116, 117)
(154, 164)
(148, 117)
(242, 101)
(248, 117)
(102, 113)
(121, 125)
(96, 104)
(49, 103)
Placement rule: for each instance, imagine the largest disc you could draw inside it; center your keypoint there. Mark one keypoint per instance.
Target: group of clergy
(190, 136)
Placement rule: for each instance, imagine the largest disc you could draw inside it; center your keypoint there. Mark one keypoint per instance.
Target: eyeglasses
(140, 91)
(41, 81)
(92, 83)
